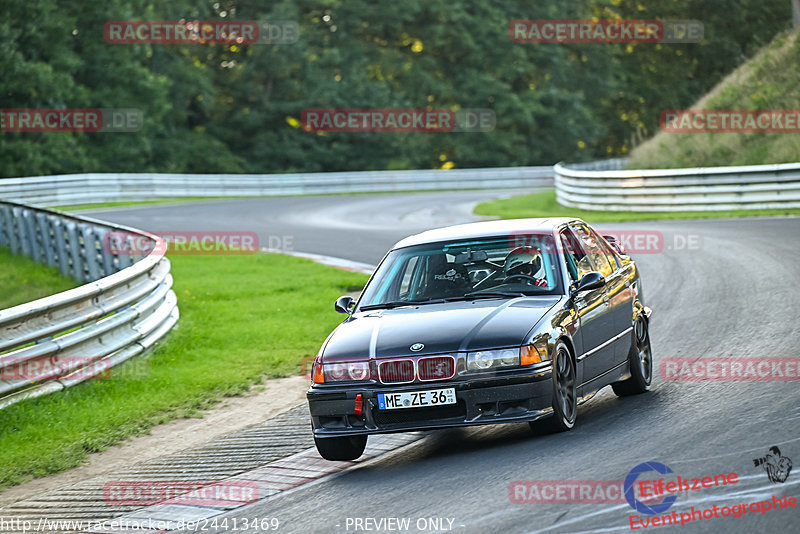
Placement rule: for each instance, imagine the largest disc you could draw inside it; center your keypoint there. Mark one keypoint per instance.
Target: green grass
(769, 80)
(122, 204)
(23, 280)
(182, 200)
(243, 318)
(544, 204)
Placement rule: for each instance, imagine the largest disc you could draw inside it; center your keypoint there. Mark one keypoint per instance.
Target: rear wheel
(640, 359)
(345, 448)
(565, 400)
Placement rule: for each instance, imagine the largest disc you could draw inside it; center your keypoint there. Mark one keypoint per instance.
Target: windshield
(494, 267)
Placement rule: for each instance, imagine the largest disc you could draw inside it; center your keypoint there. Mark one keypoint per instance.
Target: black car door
(596, 326)
(620, 299)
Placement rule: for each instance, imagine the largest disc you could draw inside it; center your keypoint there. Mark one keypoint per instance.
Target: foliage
(235, 108)
(23, 280)
(768, 81)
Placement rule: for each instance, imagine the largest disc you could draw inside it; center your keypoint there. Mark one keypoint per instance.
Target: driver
(525, 263)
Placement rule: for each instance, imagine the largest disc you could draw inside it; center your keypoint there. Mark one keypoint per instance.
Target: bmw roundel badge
(416, 347)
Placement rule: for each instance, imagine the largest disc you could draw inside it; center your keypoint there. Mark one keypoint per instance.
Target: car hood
(447, 327)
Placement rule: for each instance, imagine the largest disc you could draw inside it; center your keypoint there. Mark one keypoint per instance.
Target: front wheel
(640, 359)
(344, 448)
(565, 400)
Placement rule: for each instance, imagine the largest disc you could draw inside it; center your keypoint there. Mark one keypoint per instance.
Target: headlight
(338, 372)
(487, 359)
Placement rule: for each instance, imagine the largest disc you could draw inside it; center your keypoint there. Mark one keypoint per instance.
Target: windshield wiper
(399, 303)
(489, 295)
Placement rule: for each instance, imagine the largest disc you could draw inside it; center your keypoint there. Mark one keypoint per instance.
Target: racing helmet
(523, 260)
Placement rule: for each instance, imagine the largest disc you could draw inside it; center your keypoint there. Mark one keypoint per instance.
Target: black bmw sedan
(490, 322)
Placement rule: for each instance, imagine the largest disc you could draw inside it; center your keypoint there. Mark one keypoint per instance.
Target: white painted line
(341, 263)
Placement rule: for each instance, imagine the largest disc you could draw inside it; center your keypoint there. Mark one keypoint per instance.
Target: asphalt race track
(718, 288)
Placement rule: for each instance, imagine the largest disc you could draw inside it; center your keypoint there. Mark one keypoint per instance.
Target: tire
(565, 399)
(339, 449)
(640, 359)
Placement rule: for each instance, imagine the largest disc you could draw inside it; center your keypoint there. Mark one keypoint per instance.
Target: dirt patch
(232, 414)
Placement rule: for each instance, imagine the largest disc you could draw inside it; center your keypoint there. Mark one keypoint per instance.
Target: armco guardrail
(55, 342)
(87, 188)
(603, 186)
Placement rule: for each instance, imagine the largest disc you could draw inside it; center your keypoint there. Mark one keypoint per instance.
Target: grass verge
(23, 280)
(544, 204)
(769, 80)
(243, 318)
(185, 200)
(126, 203)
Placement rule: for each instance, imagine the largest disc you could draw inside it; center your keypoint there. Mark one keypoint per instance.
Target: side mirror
(343, 304)
(592, 280)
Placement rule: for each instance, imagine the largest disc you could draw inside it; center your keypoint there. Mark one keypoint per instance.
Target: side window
(609, 252)
(569, 255)
(595, 258)
(408, 275)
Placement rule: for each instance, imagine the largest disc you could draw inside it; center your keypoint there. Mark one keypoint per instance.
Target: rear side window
(570, 255)
(605, 247)
(594, 257)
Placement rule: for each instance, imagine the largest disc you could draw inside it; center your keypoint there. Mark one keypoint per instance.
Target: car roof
(486, 229)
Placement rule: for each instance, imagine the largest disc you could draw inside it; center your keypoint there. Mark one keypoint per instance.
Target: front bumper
(480, 401)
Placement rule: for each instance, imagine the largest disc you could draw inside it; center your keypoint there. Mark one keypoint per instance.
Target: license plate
(416, 399)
